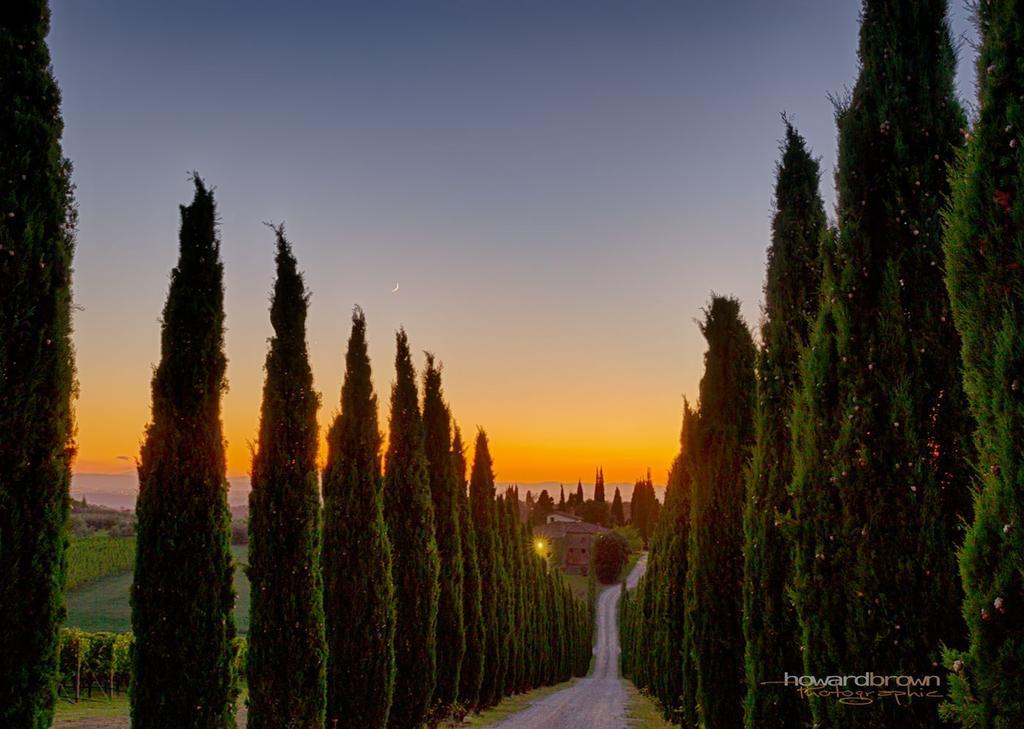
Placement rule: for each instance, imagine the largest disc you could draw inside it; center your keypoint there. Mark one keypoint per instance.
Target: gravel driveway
(599, 700)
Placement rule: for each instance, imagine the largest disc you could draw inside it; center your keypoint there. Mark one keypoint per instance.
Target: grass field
(115, 713)
(93, 557)
(102, 604)
(90, 710)
(643, 712)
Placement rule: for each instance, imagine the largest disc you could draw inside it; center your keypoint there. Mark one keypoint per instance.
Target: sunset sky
(556, 186)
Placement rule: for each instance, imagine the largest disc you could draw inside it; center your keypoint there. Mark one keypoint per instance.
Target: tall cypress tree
(503, 591)
(481, 501)
(618, 515)
(643, 507)
(444, 487)
(410, 517)
(985, 259)
(359, 591)
(599, 485)
(652, 626)
(791, 301)
(515, 549)
(287, 654)
(37, 221)
(881, 428)
(715, 561)
(472, 672)
(182, 596)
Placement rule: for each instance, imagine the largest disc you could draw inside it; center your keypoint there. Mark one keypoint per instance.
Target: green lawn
(90, 711)
(102, 604)
(115, 711)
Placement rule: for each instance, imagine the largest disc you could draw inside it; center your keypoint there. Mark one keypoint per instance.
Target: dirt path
(599, 700)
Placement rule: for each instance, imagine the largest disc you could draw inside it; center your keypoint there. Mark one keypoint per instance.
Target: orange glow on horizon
(109, 436)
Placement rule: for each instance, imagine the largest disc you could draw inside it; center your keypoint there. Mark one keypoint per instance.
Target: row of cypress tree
(399, 600)
(681, 627)
(861, 459)
(408, 600)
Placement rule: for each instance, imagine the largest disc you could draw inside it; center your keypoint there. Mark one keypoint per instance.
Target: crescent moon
(394, 290)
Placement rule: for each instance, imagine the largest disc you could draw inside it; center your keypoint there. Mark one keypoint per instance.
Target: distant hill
(118, 490)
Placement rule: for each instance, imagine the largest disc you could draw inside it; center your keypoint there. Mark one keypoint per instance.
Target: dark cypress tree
(481, 501)
(503, 591)
(359, 592)
(652, 626)
(545, 505)
(37, 222)
(680, 683)
(881, 427)
(984, 263)
(182, 596)
(561, 497)
(287, 654)
(715, 559)
(410, 517)
(444, 488)
(518, 547)
(599, 485)
(508, 543)
(791, 301)
(643, 507)
(579, 493)
(472, 672)
(618, 516)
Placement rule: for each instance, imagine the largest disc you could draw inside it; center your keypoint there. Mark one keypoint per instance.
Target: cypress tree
(481, 501)
(182, 596)
(599, 486)
(561, 497)
(579, 493)
(503, 590)
(287, 654)
(618, 516)
(881, 427)
(410, 517)
(985, 257)
(653, 655)
(715, 561)
(680, 685)
(517, 549)
(359, 592)
(643, 507)
(37, 222)
(444, 487)
(791, 301)
(472, 672)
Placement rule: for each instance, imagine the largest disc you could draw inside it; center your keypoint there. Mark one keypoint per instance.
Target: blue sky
(556, 185)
